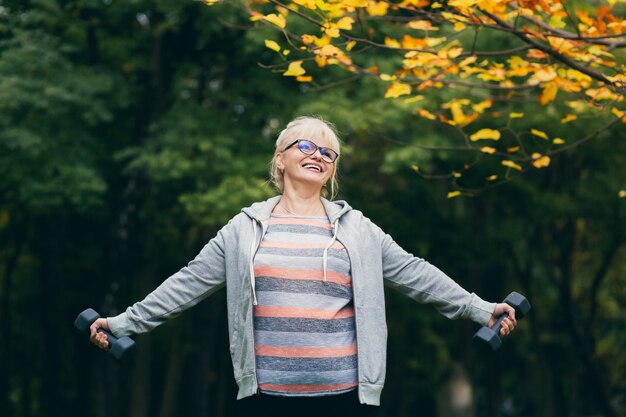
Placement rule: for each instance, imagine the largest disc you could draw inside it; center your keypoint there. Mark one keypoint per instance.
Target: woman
(304, 279)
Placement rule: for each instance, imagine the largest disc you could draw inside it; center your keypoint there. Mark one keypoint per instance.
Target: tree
(476, 66)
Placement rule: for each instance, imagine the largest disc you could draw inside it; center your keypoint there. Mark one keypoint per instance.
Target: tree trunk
(174, 374)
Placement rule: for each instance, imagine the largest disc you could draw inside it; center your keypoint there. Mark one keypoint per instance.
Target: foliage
(476, 65)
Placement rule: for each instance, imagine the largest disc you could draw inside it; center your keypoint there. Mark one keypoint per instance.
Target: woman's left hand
(509, 323)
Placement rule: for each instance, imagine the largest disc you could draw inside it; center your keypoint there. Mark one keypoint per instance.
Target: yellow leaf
(540, 161)
(488, 149)
(352, 3)
(387, 77)
(467, 61)
(453, 194)
(619, 114)
(328, 50)
(601, 93)
(350, 45)
(295, 69)
(211, 2)
(308, 39)
(435, 41)
(459, 26)
(414, 99)
(393, 43)
(511, 164)
(622, 193)
(331, 31)
(512, 149)
(480, 107)
(557, 22)
(548, 94)
(558, 141)
(543, 75)
(345, 23)
(485, 134)
(321, 61)
(272, 45)
(276, 20)
(377, 8)
(539, 133)
(516, 115)
(397, 89)
(415, 168)
(304, 78)
(426, 114)
(309, 4)
(569, 118)
(454, 52)
(436, 5)
(492, 178)
(286, 52)
(422, 25)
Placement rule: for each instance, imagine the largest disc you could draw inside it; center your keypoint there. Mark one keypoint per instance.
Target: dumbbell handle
(110, 338)
(498, 324)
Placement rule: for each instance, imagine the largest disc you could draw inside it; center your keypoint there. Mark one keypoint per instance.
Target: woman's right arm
(198, 280)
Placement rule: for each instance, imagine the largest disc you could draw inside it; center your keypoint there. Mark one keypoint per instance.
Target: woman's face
(301, 169)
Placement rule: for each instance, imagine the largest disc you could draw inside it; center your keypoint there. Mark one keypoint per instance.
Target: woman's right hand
(98, 338)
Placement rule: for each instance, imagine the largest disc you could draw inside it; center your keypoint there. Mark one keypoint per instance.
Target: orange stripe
(307, 388)
(303, 274)
(299, 221)
(299, 312)
(298, 245)
(306, 352)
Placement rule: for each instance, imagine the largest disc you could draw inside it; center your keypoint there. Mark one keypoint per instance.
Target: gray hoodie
(375, 259)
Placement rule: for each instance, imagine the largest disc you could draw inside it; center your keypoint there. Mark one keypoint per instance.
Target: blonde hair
(311, 128)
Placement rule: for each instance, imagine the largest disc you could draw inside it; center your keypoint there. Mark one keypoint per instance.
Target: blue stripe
(315, 377)
(305, 287)
(281, 299)
(306, 364)
(279, 324)
(308, 252)
(270, 338)
(300, 229)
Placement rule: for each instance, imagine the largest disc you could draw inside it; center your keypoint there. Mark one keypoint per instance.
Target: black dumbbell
(491, 336)
(118, 347)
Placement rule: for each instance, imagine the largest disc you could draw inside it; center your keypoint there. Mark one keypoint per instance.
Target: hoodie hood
(261, 211)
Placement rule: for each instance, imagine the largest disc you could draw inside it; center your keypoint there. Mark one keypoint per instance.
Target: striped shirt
(304, 329)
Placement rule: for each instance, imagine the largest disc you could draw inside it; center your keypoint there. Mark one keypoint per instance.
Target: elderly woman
(304, 279)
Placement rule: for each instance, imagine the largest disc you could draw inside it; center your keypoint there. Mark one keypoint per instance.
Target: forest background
(130, 132)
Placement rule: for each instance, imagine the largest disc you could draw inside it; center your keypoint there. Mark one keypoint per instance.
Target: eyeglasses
(309, 148)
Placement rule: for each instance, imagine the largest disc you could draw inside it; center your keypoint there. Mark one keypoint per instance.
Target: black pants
(341, 405)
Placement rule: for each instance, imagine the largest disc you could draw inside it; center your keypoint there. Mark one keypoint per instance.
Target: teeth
(313, 166)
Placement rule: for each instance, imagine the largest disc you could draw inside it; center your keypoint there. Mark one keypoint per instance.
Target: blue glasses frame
(309, 148)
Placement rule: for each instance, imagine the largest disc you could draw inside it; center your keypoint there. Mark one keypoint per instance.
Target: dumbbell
(491, 336)
(120, 348)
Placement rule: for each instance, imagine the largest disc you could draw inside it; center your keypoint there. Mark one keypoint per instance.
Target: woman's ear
(279, 161)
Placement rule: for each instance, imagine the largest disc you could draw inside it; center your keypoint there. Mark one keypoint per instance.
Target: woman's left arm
(426, 283)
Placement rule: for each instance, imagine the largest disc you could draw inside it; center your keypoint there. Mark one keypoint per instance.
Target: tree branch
(559, 57)
(600, 40)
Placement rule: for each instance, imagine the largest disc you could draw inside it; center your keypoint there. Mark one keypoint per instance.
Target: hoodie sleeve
(199, 279)
(425, 283)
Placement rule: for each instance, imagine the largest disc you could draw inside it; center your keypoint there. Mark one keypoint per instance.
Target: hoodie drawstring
(252, 252)
(325, 257)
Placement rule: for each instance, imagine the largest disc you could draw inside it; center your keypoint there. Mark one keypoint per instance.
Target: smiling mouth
(312, 167)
